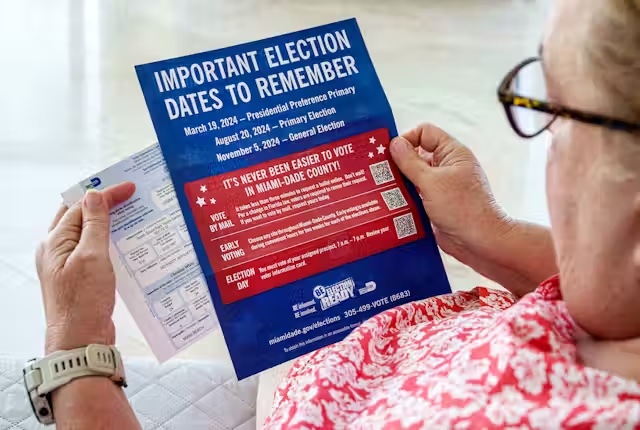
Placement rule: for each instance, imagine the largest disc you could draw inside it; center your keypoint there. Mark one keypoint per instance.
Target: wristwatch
(43, 376)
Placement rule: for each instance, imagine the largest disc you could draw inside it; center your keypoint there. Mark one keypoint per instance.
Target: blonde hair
(613, 55)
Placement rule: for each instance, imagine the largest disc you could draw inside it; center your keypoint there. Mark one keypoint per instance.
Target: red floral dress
(469, 360)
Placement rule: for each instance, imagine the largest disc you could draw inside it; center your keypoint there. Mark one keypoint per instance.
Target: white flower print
(432, 308)
(443, 391)
(602, 384)
(501, 346)
(464, 300)
(376, 370)
(337, 372)
(444, 342)
(482, 368)
(473, 372)
(507, 407)
(420, 316)
(530, 369)
(624, 415)
(352, 351)
(307, 413)
(566, 379)
(526, 329)
(499, 300)
(544, 418)
(446, 301)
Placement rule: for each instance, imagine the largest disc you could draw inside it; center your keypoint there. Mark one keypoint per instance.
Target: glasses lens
(530, 83)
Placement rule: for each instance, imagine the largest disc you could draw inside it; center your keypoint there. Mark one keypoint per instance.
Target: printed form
(157, 272)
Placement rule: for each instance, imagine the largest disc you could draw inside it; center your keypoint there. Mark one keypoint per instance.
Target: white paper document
(157, 272)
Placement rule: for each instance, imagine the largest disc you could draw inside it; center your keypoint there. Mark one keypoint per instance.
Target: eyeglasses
(523, 93)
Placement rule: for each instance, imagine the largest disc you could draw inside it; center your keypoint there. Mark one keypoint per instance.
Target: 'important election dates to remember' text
(292, 217)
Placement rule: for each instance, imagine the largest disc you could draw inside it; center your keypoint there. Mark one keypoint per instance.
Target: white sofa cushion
(179, 394)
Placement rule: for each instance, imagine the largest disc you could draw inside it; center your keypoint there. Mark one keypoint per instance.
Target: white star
(203, 188)
(371, 155)
(381, 149)
(200, 202)
(212, 200)
(372, 140)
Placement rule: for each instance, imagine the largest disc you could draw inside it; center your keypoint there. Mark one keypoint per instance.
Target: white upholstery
(178, 394)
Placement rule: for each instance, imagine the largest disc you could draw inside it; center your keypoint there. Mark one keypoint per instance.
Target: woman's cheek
(553, 182)
(558, 186)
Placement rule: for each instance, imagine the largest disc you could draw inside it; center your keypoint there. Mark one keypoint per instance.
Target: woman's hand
(454, 189)
(76, 275)
(467, 221)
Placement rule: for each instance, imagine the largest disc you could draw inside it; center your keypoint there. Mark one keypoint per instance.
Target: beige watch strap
(61, 367)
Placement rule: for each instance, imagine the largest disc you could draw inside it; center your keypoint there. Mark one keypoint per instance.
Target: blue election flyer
(279, 154)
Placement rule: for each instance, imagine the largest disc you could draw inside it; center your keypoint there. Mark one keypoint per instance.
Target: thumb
(410, 163)
(95, 223)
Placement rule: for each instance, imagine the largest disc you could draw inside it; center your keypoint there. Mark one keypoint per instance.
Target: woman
(563, 355)
(484, 359)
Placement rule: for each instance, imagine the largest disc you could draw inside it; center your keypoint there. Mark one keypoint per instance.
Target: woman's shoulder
(478, 357)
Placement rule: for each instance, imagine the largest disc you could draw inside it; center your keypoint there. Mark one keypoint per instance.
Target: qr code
(381, 172)
(394, 199)
(405, 226)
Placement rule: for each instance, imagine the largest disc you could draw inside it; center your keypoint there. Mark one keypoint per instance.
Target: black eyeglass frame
(509, 98)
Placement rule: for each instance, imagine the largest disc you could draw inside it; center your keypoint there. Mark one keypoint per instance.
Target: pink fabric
(471, 360)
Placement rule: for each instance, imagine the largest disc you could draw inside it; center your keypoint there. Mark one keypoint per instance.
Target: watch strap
(61, 367)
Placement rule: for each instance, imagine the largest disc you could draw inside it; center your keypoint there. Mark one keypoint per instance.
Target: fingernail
(400, 146)
(93, 199)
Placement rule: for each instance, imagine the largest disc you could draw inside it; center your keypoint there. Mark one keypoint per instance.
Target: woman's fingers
(429, 137)
(409, 162)
(117, 194)
(95, 217)
(445, 150)
(67, 226)
(113, 196)
(94, 238)
(426, 156)
(56, 219)
(65, 235)
(71, 220)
